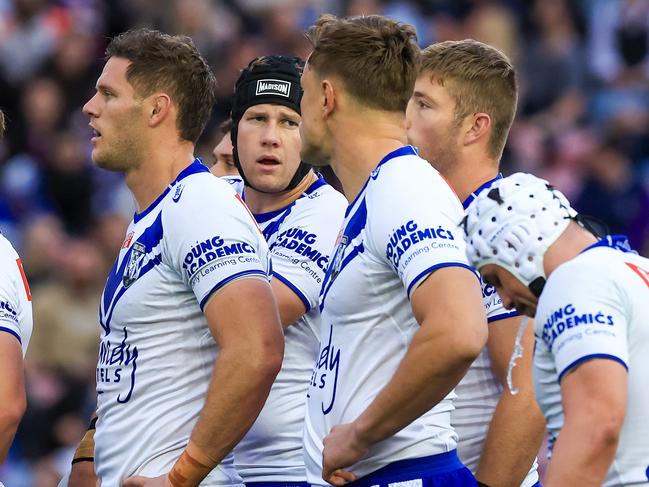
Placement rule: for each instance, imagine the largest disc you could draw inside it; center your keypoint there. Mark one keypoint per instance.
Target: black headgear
(269, 79)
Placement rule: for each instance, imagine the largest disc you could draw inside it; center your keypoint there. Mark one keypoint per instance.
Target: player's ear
(329, 98)
(477, 127)
(158, 108)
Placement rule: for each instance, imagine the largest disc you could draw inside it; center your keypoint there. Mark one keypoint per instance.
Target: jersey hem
(227, 280)
(579, 361)
(293, 288)
(417, 280)
(11, 332)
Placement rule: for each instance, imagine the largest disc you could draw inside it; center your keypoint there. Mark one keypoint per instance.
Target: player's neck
(159, 170)
(573, 241)
(259, 202)
(469, 174)
(355, 157)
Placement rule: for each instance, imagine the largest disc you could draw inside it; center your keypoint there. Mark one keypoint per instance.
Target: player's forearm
(238, 390)
(431, 368)
(9, 420)
(582, 454)
(513, 440)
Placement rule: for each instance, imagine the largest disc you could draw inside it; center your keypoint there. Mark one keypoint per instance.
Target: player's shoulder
(7, 251)
(199, 192)
(408, 176)
(322, 199)
(584, 278)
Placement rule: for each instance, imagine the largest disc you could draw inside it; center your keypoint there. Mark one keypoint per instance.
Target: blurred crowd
(583, 123)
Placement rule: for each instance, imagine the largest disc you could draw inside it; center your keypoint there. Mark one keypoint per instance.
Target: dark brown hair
(171, 64)
(375, 57)
(479, 78)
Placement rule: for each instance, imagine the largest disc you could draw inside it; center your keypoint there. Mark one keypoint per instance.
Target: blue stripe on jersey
(273, 227)
(359, 249)
(150, 238)
(579, 361)
(503, 316)
(432, 268)
(353, 228)
(230, 279)
(293, 288)
(11, 332)
(156, 260)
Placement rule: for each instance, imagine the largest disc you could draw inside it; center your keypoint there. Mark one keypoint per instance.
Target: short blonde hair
(376, 58)
(479, 78)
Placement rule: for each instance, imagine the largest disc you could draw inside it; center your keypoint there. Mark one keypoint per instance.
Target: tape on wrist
(191, 468)
(85, 452)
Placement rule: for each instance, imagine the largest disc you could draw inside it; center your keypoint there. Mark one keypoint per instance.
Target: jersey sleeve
(10, 299)
(494, 304)
(580, 316)
(300, 252)
(414, 218)
(211, 238)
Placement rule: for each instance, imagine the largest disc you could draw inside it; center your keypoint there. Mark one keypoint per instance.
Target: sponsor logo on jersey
(210, 250)
(273, 87)
(567, 317)
(117, 364)
(128, 240)
(178, 193)
(134, 264)
(300, 242)
(7, 309)
(410, 234)
(325, 372)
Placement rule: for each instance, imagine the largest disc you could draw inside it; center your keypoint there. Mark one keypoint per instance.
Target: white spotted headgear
(513, 223)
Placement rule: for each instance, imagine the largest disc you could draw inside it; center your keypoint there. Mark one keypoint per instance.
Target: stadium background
(583, 123)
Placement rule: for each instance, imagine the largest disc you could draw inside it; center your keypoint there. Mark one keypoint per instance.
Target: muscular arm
(452, 333)
(12, 390)
(517, 426)
(290, 306)
(244, 321)
(594, 397)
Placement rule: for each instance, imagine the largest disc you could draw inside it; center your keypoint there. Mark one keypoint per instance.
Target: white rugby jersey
(595, 306)
(479, 390)
(236, 182)
(157, 353)
(301, 238)
(402, 226)
(15, 297)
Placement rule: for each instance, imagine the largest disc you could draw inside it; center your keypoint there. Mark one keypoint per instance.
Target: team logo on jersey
(273, 87)
(337, 261)
(134, 264)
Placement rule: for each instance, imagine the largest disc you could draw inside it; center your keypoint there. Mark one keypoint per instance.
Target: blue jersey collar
(475, 194)
(195, 167)
(617, 242)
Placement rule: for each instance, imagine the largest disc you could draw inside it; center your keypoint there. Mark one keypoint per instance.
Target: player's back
(301, 238)
(390, 242)
(595, 305)
(157, 352)
(15, 296)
